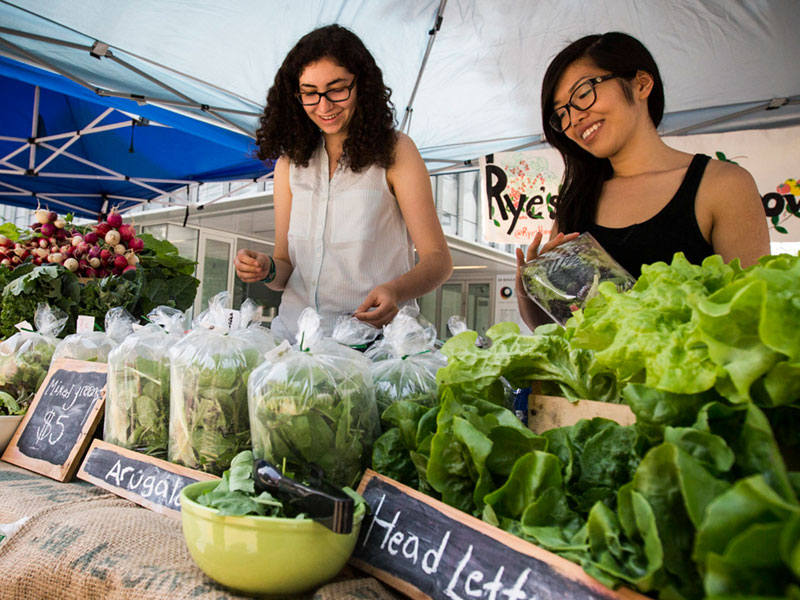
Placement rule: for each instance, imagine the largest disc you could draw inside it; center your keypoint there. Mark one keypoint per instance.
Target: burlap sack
(82, 543)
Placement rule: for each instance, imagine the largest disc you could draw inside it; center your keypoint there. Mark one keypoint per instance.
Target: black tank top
(673, 229)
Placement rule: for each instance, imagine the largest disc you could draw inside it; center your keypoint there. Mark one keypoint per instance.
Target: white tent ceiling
(479, 89)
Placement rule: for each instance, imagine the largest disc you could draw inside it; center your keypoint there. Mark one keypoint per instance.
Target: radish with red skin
(48, 229)
(91, 237)
(105, 254)
(100, 273)
(120, 262)
(37, 261)
(114, 219)
(83, 248)
(126, 232)
(136, 244)
(15, 260)
(102, 229)
(52, 216)
(129, 268)
(94, 252)
(89, 272)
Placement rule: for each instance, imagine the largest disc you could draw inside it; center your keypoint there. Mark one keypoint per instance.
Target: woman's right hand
(251, 266)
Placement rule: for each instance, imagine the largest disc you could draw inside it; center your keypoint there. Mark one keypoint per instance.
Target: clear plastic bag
(137, 404)
(314, 403)
(409, 371)
(94, 346)
(354, 333)
(25, 356)
(565, 278)
(209, 371)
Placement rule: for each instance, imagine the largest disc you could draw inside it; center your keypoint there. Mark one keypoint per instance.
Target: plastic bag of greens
(314, 403)
(410, 371)
(25, 356)
(95, 346)
(566, 277)
(137, 404)
(209, 370)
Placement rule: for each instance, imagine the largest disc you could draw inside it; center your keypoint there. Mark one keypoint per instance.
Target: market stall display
(314, 404)
(80, 270)
(696, 498)
(209, 371)
(137, 405)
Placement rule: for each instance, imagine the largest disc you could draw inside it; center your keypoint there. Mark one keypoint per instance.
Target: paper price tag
(85, 324)
(24, 326)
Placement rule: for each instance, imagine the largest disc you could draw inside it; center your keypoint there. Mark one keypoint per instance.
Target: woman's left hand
(383, 299)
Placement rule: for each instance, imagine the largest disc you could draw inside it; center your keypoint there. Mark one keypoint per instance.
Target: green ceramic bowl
(263, 555)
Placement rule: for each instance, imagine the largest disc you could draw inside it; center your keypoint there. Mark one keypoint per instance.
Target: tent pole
(34, 127)
(722, 119)
(437, 24)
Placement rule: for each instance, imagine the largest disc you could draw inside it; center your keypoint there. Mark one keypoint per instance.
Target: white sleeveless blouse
(346, 235)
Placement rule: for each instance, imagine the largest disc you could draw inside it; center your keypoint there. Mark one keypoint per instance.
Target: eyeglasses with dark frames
(583, 97)
(339, 94)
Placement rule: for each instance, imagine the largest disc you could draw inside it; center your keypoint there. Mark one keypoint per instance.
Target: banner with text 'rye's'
(519, 191)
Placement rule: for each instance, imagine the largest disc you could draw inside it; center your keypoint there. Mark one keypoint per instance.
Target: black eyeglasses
(582, 98)
(333, 95)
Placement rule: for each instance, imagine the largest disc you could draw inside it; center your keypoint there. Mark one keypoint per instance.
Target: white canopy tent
(465, 74)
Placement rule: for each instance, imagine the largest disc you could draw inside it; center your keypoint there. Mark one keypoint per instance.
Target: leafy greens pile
(695, 500)
(52, 284)
(235, 494)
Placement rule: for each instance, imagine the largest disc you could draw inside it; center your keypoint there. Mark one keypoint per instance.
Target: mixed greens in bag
(94, 346)
(314, 403)
(209, 370)
(25, 358)
(137, 405)
(566, 277)
(409, 373)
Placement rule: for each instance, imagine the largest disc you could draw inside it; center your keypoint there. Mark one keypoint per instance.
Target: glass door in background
(215, 267)
(479, 307)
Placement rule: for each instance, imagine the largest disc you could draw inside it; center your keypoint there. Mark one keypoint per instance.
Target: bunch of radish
(108, 248)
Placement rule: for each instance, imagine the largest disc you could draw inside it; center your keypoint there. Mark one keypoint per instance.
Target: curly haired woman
(352, 196)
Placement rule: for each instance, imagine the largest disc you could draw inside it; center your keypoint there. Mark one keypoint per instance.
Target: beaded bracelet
(271, 275)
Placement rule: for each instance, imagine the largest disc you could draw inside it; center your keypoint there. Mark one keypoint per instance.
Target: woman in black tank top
(602, 100)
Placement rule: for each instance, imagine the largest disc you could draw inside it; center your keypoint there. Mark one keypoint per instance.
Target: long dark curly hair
(286, 130)
(584, 174)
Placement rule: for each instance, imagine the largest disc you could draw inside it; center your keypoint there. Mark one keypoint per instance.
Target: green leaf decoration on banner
(777, 226)
(496, 223)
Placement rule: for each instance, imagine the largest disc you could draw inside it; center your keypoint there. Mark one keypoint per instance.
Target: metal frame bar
(437, 24)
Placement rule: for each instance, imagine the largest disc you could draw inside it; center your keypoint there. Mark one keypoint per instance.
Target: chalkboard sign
(427, 549)
(150, 482)
(60, 421)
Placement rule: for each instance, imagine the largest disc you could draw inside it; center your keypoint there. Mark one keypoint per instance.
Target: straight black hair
(584, 174)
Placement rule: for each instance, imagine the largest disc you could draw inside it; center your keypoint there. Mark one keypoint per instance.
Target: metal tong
(321, 501)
